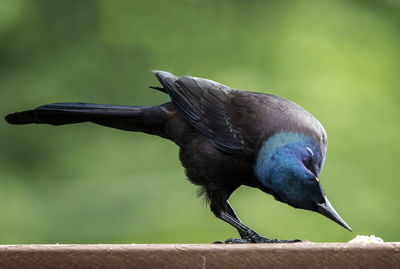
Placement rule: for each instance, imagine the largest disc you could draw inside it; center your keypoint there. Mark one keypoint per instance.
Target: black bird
(227, 138)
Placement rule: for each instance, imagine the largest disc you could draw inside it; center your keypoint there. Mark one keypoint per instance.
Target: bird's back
(259, 116)
(236, 120)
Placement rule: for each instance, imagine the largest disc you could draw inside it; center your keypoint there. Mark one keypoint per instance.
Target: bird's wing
(204, 104)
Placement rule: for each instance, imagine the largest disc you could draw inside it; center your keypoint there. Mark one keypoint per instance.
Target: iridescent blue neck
(280, 159)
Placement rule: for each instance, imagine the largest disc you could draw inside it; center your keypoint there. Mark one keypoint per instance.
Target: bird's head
(288, 165)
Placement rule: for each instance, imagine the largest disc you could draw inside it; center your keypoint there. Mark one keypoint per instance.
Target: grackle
(227, 138)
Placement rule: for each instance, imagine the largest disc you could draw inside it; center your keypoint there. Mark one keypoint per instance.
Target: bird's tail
(147, 119)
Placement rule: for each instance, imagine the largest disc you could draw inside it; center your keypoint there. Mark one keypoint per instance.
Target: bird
(227, 138)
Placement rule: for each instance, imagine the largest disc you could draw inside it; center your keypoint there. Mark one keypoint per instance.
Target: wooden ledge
(299, 255)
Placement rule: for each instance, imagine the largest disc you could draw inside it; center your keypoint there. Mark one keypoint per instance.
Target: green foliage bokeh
(88, 184)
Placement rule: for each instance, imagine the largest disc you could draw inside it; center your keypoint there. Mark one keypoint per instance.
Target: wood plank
(299, 255)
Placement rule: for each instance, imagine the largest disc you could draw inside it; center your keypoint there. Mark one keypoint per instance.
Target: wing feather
(205, 105)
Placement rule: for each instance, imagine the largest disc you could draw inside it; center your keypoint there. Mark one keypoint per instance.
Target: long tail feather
(67, 113)
(131, 118)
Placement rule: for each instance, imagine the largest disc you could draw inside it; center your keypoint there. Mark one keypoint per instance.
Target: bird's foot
(255, 239)
(233, 241)
(260, 239)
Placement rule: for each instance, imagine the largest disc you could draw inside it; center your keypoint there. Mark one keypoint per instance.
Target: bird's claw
(256, 239)
(233, 241)
(261, 239)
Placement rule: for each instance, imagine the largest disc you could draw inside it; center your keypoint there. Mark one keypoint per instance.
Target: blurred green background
(89, 184)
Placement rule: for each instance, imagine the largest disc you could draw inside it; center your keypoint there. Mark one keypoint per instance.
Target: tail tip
(15, 118)
(10, 119)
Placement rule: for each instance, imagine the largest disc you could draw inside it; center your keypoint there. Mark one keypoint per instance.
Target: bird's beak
(328, 211)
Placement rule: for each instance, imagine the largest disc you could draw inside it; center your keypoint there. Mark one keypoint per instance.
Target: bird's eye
(310, 151)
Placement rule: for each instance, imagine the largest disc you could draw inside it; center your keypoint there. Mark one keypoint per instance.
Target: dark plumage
(227, 138)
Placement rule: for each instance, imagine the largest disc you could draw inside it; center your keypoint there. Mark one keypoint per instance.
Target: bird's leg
(247, 234)
(231, 212)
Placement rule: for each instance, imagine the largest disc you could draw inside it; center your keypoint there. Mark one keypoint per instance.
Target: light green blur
(340, 60)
